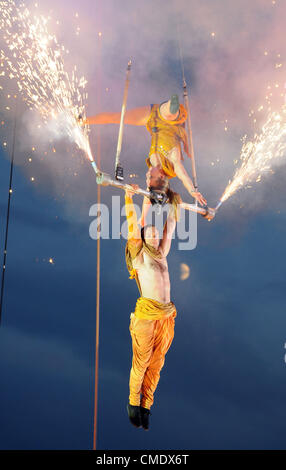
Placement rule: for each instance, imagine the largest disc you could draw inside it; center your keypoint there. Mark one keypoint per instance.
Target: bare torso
(153, 277)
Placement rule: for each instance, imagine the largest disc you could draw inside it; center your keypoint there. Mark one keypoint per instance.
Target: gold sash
(149, 309)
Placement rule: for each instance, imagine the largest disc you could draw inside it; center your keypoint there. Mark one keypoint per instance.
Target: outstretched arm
(135, 117)
(134, 232)
(169, 228)
(186, 180)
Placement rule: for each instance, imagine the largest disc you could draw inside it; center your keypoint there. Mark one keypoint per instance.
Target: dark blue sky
(223, 383)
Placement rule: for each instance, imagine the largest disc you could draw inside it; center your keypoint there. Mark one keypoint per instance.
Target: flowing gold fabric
(150, 309)
(165, 136)
(151, 339)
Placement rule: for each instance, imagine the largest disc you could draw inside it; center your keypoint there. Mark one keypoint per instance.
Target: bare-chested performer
(166, 124)
(152, 323)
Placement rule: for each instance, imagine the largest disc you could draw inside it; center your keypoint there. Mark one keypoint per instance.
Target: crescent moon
(185, 272)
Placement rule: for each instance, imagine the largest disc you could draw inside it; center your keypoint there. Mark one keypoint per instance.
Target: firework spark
(34, 58)
(259, 156)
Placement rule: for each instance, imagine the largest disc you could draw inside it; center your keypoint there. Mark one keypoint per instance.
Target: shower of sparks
(34, 58)
(259, 155)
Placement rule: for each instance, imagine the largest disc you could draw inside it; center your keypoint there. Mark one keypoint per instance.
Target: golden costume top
(165, 136)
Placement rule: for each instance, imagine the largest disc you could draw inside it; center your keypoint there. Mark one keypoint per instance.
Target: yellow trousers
(151, 340)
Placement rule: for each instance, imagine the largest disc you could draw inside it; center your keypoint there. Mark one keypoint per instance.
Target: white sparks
(35, 59)
(257, 157)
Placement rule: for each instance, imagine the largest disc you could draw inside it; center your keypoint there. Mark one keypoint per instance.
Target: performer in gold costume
(166, 124)
(153, 320)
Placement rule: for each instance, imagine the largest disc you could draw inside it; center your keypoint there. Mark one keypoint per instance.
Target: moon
(185, 272)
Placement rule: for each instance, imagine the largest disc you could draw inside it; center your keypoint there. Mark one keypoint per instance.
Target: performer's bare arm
(153, 275)
(135, 117)
(169, 227)
(184, 177)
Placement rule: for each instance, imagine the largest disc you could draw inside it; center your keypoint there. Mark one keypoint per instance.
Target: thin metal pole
(96, 380)
(97, 327)
(190, 134)
(8, 215)
(121, 127)
(187, 106)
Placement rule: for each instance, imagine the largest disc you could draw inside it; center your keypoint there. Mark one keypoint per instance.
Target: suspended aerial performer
(166, 124)
(152, 323)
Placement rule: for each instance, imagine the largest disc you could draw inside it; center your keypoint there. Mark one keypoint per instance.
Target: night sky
(223, 384)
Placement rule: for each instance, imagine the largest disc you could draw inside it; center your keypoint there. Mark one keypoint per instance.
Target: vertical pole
(118, 168)
(97, 328)
(190, 133)
(95, 421)
(187, 106)
(8, 214)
